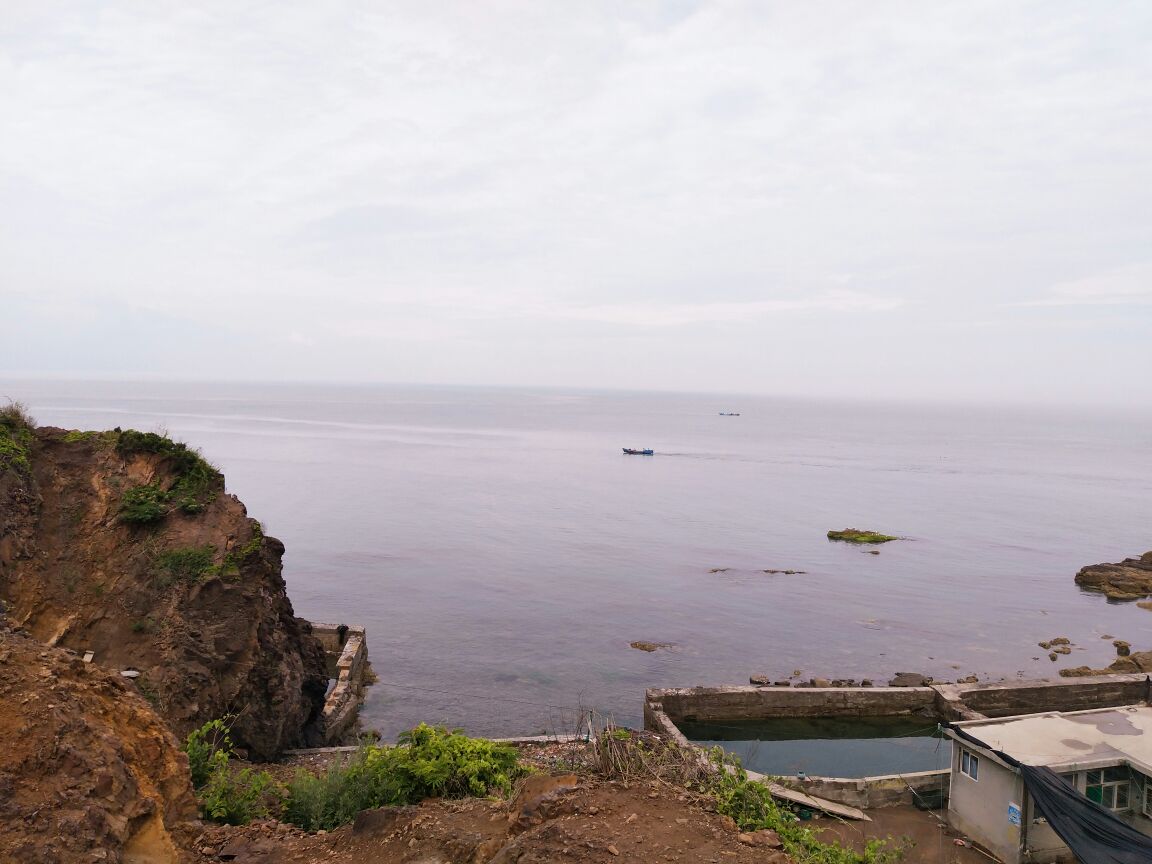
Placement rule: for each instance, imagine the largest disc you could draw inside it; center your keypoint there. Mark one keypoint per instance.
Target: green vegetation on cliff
(191, 491)
(15, 437)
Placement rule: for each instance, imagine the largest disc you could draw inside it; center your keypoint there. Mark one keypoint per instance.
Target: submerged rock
(1131, 579)
(641, 645)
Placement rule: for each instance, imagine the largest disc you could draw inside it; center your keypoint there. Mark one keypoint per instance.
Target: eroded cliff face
(86, 766)
(127, 546)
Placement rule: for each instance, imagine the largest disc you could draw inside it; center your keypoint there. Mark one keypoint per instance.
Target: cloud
(1123, 286)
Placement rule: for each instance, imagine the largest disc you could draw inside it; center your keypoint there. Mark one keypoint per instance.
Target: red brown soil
(596, 821)
(73, 574)
(87, 769)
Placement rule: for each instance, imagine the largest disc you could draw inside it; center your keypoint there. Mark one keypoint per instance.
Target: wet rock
(909, 679)
(781, 683)
(820, 682)
(642, 645)
(1061, 649)
(1061, 640)
(867, 682)
(1123, 649)
(1131, 579)
(855, 535)
(1052, 656)
(971, 679)
(760, 680)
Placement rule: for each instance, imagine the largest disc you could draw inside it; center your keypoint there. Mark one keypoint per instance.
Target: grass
(191, 491)
(188, 564)
(855, 535)
(15, 438)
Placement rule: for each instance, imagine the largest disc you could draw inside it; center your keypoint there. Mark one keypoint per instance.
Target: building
(1106, 754)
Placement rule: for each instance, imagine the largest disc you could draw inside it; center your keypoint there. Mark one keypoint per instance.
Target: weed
(208, 749)
(195, 477)
(142, 505)
(144, 625)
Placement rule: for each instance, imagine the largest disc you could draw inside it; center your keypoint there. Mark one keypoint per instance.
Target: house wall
(979, 808)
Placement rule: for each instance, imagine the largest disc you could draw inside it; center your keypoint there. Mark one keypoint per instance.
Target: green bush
(238, 797)
(195, 477)
(142, 505)
(429, 761)
(228, 796)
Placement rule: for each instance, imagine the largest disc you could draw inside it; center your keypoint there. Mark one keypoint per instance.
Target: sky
(904, 199)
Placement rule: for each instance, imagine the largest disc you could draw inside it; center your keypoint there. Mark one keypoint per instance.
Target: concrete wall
(890, 790)
(349, 664)
(979, 808)
(739, 703)
(1034, 697)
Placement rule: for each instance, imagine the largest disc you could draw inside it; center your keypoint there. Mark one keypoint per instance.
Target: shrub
(238, 797)
(429, 761)
(142, 505)
(208, 749)
(195, 477)
(228, 796)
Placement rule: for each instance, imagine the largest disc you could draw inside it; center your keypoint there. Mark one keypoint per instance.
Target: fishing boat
(628, 451)
(729, 413)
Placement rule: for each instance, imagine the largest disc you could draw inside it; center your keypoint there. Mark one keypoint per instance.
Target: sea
(503, 553)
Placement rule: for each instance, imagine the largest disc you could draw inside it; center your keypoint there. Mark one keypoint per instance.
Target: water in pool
(828, 746)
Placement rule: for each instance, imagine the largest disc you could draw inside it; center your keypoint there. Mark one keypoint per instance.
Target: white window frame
(969, 764)
(1109, 789)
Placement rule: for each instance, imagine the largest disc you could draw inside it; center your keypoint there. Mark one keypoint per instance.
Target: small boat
(628, 451)
(729, 413)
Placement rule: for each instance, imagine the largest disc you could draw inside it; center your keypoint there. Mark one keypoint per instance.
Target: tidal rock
(1123, 649)
(909, 679)
(1131, 579)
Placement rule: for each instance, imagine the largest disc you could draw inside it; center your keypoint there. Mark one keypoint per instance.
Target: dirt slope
(193, 598)
(87, 770)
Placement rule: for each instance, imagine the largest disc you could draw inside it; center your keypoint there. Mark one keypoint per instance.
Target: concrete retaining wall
(663, 709)
(705, 704)
(349, 668)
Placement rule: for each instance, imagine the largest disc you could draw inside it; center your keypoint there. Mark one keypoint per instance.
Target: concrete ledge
(342, 705)
(665, 708)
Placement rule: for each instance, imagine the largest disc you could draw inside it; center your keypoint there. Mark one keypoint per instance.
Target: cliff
(125, 544)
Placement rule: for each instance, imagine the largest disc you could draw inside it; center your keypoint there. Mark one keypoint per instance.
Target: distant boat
(729, 413)
(630, 452)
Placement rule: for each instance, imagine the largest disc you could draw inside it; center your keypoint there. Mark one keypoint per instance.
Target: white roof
(1075, 738)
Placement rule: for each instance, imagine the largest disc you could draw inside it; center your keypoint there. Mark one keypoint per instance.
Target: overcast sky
(919, 199)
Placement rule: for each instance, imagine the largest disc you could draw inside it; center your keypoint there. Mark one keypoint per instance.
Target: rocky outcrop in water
(1131, 579)
(126, 545)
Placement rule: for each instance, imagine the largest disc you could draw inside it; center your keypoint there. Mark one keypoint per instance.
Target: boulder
(1131, 579)
(909, 679)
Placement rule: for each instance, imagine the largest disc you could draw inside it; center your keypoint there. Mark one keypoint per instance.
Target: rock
(1045, 645)
(1078, 672)
(867, 682)
(1052, 656)
(855, 535)
(820, 682)
(871, 551)
(1061, 640)
(781, 683)
(971, 679)
(760, 680)
(642, 645)
(719, 569)
(909, 679)
(1123, 649)
(765, 837)
(1131, 579)
(613, 849)
(1061, 649)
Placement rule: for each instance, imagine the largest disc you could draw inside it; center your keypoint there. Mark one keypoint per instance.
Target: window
(1108, 786)
(970, 764)
(1147, 797)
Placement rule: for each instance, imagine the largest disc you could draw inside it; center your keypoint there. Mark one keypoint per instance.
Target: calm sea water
(503, 553)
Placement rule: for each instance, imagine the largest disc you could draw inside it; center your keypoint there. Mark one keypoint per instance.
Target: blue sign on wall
(1013, 813)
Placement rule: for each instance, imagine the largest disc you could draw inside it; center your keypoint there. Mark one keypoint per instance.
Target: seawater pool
(828, 747)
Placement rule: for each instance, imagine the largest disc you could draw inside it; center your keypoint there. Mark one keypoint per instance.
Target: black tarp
(1094, 833)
